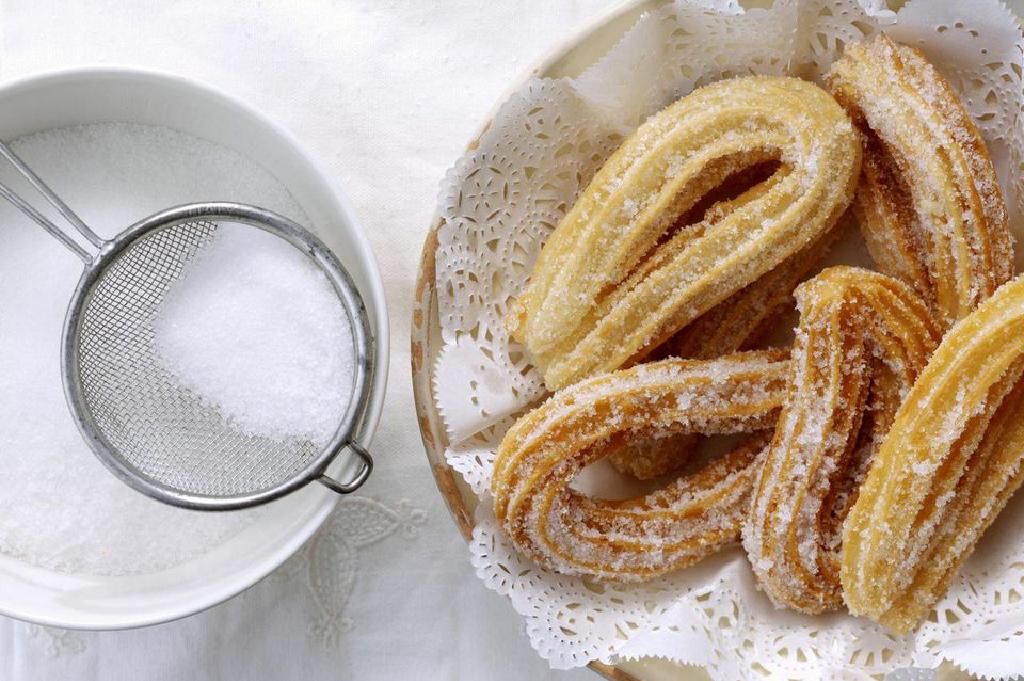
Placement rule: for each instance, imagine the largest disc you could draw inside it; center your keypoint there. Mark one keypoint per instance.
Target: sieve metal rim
(355, 310)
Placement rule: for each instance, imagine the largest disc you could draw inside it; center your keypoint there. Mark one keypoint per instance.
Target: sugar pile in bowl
(257, 331)
(247, 297)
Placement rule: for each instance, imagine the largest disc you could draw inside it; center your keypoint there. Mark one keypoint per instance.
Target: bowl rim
(376, 306)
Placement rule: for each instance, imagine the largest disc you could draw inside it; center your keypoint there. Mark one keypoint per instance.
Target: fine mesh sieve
(153, 432)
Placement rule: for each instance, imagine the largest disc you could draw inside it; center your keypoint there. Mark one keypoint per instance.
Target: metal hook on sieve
(118, 282)
(366, 467)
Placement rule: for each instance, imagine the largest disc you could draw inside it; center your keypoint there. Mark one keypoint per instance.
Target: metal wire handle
(30, 212)
(105, 250)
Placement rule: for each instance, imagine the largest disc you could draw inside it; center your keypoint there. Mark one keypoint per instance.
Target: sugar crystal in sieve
(154, 433)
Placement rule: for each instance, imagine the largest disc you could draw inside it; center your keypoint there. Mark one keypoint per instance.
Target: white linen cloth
(385, 93)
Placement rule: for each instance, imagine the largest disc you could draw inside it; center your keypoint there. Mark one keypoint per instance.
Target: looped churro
(673, 527)
(929, 204)
(863, 338)
(614, 281)
(949, 464)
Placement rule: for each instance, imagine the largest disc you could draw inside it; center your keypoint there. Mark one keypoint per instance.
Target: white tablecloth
(386, 93)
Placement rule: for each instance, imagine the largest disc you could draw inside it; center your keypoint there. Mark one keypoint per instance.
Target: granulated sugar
(256, 330)
(59, 507)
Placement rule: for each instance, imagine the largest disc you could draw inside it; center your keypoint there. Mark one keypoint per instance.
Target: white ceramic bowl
(108, 95)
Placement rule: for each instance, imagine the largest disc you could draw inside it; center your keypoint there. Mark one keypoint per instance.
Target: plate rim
(425, 312)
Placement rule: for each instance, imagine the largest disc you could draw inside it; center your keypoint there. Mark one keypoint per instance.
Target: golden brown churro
(612, 282)
(862, 339)
(929, 203)
(949, 464)
(673, 527)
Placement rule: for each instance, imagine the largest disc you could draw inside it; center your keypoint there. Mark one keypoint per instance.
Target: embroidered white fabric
(501, 200)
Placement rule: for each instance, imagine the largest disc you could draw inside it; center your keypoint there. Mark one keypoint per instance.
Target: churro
(929, 204)
(614, 280)
(670, 528)
(862, 339)
(949, 464)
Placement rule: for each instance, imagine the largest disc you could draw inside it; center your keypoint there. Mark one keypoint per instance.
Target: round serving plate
(568, 59)
(105, 95)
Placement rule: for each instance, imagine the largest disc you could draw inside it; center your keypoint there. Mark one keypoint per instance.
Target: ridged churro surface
(670, 528)
(928, 203)
(949, 464)
(738, 323)
(620, 275)
(862, 339)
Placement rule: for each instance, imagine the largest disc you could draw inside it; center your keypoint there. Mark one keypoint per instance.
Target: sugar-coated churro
(949, 464)
(613, 280)
(929, 203)
(862, 339)
(675, 526)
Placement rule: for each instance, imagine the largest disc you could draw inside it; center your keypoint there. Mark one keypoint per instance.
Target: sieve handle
(51, 197)
(360, 477)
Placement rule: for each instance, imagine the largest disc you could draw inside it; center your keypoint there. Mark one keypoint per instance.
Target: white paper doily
(499, 203)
